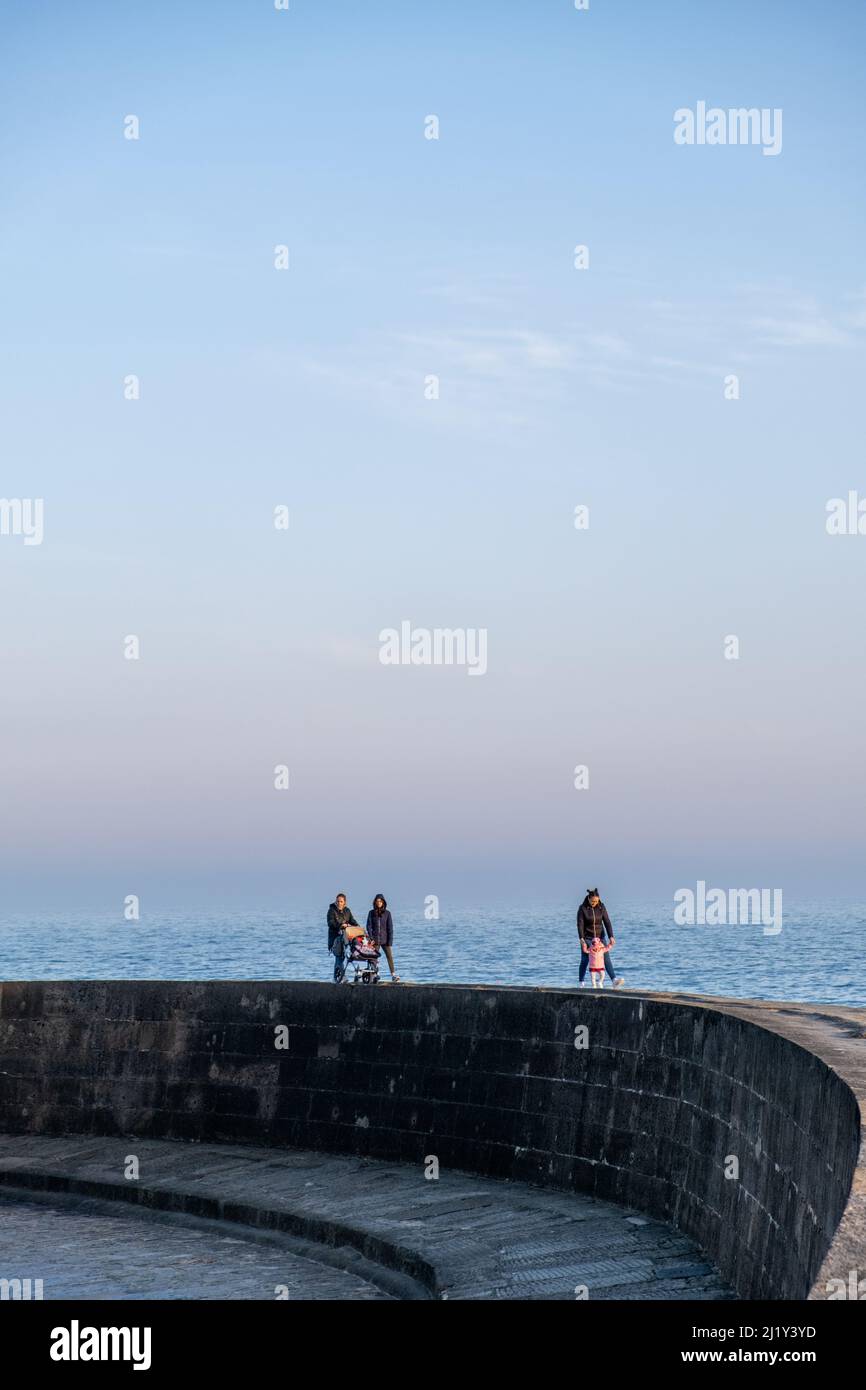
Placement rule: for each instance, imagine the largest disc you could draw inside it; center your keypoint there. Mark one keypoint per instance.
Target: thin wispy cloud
(503, 374)
(493, 293)
(802, 332)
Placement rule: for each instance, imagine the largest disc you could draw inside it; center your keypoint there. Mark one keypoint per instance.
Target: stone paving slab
(457, 1237)
(84, 1248)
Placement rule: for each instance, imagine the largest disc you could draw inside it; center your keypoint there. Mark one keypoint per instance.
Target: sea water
(819, 955)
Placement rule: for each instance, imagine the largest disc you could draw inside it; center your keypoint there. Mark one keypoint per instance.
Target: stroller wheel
(366, 977)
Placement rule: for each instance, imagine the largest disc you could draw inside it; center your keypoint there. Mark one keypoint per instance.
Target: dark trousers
(338, 951)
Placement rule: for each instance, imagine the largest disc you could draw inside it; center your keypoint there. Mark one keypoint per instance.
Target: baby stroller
(364, 958)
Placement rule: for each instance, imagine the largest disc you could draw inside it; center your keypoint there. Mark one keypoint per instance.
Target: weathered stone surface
(488, 1080)
(455, 1236)
(81, 1248)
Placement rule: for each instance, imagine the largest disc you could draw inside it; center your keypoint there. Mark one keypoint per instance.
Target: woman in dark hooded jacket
(592, 921)
(380, 928)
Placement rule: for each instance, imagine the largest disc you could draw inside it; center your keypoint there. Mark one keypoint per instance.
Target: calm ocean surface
(819, 955)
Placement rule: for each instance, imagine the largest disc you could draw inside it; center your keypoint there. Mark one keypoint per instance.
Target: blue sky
(558, 387)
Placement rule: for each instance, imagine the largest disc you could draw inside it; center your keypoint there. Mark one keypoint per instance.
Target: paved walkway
(383, 1226)
(85, 1249)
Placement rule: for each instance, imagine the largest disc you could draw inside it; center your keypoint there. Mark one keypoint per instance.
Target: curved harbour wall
(738, 1122)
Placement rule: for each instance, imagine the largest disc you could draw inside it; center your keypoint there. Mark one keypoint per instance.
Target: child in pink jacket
(597, 953)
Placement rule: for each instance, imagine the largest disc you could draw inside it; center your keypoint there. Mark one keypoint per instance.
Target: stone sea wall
(738, 1122)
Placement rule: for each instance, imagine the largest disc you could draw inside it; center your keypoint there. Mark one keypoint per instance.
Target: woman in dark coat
(592, 921)
(380, 928)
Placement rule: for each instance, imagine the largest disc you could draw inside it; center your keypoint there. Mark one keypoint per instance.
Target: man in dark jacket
(592, 920)
(339, 916)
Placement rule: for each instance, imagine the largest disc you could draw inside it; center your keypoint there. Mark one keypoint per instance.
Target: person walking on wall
(593, 921)
(380, 928)
(339, 916)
